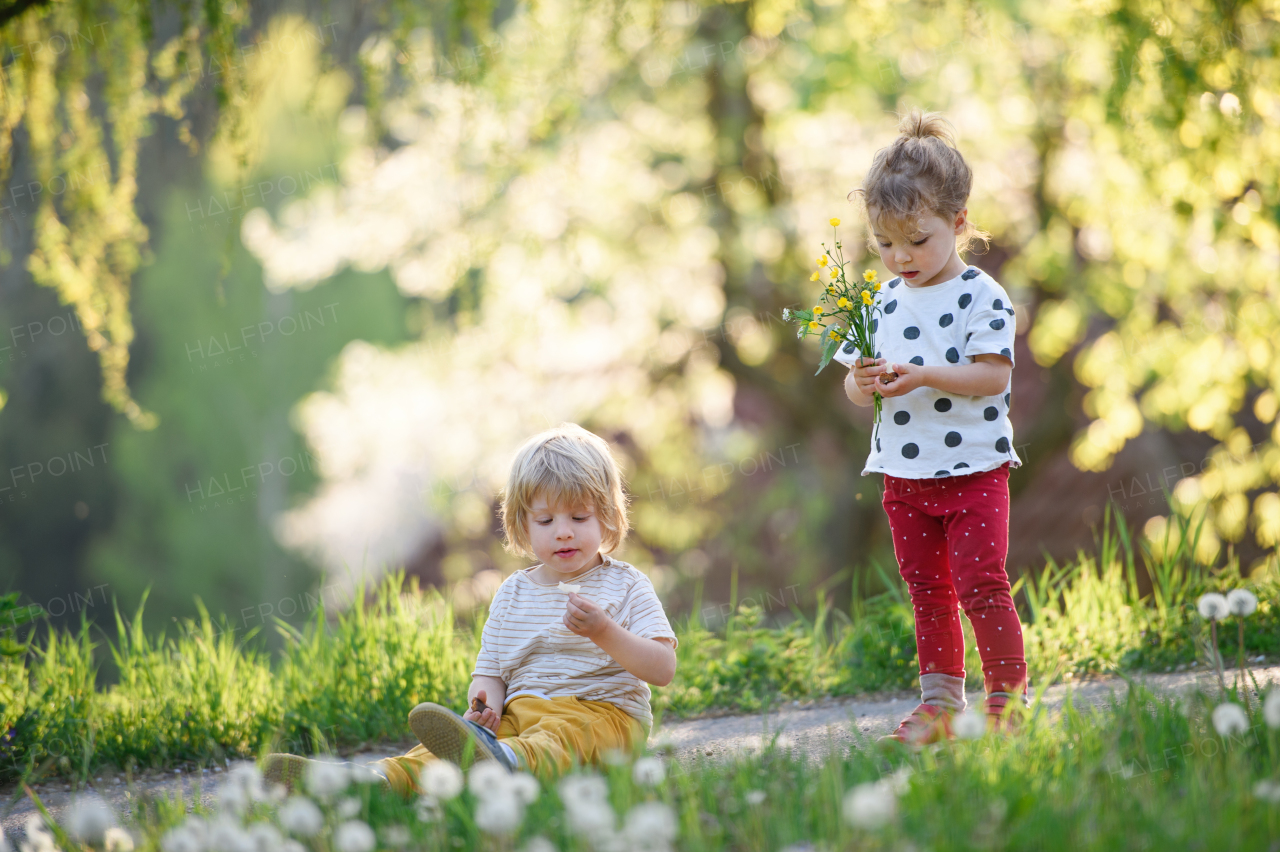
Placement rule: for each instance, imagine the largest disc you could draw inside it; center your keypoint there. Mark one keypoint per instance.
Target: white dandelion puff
(183, 838)
(755, 798)
(441, 780)
(88, 819)
(650, 825)
(396, 836)
(487, 776)
(1241, 602)
(1212, 606)
(539, 844)
(1230, 719)
(265, 837)
(429, 809)
(649, 771)
(1267, 791)
(114, 839)
(1271, 708)
(354, 836)
(348, 807)
(227, 835)
(586, 804)
(970, 725)
(870, 805)
(326, 778)
(301, 816)
(900, 780)
(499, 813)
(241, 788)
(524, 787)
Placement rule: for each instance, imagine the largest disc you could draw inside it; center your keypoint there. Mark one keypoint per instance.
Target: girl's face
(930, 256)
(565, 538)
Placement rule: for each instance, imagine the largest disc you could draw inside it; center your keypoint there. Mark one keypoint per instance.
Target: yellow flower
(822, 261)
(843, 303)
(815, 325)
(835, 273)
(834, 333)
(813, 277)
(876, 286)
(817, 310)
(866, 297)
(831, 289)
(869, 275)
(835, 223)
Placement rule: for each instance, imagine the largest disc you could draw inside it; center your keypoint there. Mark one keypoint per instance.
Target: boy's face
(565, 538)
(927, 258)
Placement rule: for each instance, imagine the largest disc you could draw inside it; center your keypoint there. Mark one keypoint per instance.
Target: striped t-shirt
(526, 644)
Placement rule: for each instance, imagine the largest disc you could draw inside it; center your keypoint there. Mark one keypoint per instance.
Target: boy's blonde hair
(922, 172)
(566, 465)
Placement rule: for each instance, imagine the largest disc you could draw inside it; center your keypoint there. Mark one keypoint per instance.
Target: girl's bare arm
(988, 375)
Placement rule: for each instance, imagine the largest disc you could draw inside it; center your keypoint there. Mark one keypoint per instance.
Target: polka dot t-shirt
(930, 433)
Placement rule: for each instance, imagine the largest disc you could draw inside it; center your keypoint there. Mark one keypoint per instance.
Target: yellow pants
(548, 734)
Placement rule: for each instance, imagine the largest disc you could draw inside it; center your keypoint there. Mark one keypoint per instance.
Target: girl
(945, 445)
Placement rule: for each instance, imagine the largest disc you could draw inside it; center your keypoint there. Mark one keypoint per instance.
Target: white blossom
(396, 836)
(348, 807)
(266, 837)
(650, 826)
(327, 778)
(539, 844)
(1229, 719)
(39, 838)
(870, 805)
(499, 813)
(524, 787)
(586, 804)
(755, 797)
(1212, 606)
(354, 836)
(649, 771)
(970, 725)
(88, 819)
(900, 780)
(1267, 791)
(114, 839)
(1241, 602)
(440, 780)
(1271, 708)
(188, 837)
(301, 816)
(227, 835)
(487, 776)
(429, 809)
(241, 788)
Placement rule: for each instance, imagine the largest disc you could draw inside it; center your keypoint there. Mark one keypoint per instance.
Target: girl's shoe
(287, 770)
(926, 724)
(446, 734)
(1001, 718)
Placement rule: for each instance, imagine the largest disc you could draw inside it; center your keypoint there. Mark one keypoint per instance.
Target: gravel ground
(812, 729)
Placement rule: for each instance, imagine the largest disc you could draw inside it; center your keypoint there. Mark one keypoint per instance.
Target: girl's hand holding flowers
(909, 377)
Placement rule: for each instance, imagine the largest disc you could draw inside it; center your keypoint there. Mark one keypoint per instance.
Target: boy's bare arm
(651, 660)
(988, 375)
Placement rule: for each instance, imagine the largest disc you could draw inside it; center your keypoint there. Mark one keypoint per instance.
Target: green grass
(1148, 773)
(203, 695)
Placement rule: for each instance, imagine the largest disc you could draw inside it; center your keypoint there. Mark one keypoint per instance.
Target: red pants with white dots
(951, 537)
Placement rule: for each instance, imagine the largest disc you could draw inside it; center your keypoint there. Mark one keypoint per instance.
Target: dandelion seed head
(487, 776)
(1212, 606)
(227, 835)
(651, 824)
(88, 819)
(354, 836)
(1241, 602)
(1271, 708)
(499, 813)
(326, 778)
(441, 780)
(1267, 791)
(755, 798)
(539, 844)
(524, 787)
(649, 771)
(188, 837)
(970, 725)
(114, 839)
(348, 807)
(1229, 719)
(301, 816)
(265, 837)
(870, 805)
(429, 809)
(396, 836)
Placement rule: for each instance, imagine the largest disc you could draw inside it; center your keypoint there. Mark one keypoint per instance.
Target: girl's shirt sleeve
(991, 325)
(487, 663)
(643, 615)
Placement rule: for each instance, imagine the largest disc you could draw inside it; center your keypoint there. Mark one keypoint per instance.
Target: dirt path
(812, 729)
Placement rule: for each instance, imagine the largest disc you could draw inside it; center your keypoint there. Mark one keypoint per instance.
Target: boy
(570, 644)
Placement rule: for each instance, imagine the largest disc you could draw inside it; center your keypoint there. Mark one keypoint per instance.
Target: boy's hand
(910, 377)
(486, 717)
(585, 618)
(865, 372)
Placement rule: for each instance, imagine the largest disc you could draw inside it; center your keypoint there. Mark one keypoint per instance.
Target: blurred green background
(299, 279)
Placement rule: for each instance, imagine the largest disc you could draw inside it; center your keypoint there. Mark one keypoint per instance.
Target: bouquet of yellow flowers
(854, 304)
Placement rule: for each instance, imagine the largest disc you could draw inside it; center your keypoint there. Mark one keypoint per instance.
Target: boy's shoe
(445, 734)
(926, 724)
(288, 770)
